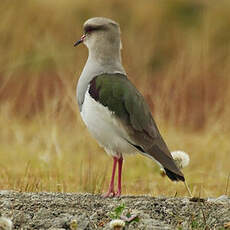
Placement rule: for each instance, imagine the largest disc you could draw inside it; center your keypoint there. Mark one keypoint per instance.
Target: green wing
(121, 97)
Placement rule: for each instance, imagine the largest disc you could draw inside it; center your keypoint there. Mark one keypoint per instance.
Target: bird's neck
(98, 64)
(105, 55)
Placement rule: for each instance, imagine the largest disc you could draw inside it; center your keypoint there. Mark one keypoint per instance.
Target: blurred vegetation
(175, 52)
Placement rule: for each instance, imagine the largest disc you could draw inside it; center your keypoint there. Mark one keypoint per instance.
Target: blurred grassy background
(176, 52)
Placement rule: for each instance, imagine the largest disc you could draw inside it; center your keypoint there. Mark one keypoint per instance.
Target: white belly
(105, 128)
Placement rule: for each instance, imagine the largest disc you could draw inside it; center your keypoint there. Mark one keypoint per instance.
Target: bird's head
(100, 33)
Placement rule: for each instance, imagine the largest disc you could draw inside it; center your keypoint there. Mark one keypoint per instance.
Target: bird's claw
(109, 194)
(118, 193)
(112, 193)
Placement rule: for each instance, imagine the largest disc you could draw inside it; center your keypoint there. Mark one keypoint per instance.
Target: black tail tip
(173, 176)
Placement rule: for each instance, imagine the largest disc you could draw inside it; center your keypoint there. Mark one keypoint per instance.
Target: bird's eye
(89, 29)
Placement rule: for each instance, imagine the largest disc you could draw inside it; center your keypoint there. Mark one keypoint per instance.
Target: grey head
(102, 38)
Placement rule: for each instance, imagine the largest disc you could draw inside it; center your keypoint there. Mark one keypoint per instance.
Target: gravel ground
(87, 211)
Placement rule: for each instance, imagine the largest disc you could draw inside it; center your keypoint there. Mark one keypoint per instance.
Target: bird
(114, 111)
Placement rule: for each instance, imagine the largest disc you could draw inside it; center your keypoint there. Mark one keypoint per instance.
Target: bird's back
(120, 97)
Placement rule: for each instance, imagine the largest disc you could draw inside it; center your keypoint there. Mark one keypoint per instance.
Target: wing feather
(121, 97)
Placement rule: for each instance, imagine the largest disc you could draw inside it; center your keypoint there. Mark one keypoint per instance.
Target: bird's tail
(164, 157)
(173, 176)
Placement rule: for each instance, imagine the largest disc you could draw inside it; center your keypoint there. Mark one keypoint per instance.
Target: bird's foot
(110, 193)
(118, 193)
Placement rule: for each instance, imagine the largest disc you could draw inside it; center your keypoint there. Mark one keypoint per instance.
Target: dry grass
(177, 55)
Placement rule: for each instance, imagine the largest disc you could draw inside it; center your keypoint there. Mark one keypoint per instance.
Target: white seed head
(115, 224)
(181, 158)
(5, 223)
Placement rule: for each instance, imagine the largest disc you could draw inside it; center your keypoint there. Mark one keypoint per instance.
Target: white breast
(105, 128)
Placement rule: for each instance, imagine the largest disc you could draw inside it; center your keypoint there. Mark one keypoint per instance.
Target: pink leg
(111, 186)
(120, 162)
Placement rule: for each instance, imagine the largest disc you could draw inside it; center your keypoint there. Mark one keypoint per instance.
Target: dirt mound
(87, 211)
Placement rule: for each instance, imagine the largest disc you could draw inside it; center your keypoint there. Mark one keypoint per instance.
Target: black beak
(80, 41)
